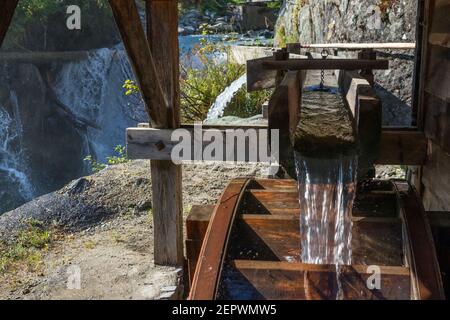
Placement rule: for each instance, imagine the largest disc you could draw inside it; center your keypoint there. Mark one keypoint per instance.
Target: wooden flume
(251, 247)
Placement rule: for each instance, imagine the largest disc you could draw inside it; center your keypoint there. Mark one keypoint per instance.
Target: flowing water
(218, 107)
(327, 190)
(326, 166)
(14, 182)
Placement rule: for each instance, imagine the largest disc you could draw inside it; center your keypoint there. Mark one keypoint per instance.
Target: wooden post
(162, 35)
(133, 36)
(6, 15)
(368, 54)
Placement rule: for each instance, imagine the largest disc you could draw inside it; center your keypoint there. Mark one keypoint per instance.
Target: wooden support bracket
(6, 15)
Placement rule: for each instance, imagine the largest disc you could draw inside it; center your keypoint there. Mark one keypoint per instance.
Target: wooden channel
(252, 246)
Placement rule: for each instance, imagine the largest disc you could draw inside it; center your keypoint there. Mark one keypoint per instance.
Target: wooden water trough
(248, 246)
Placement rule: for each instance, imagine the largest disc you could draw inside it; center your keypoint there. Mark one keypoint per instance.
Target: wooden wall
(434, 105)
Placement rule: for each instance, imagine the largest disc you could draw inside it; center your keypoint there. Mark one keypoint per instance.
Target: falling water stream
(16, 184)
(326, 170)
(218, 107)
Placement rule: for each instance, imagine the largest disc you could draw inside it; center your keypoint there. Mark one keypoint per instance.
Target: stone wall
(326, 21)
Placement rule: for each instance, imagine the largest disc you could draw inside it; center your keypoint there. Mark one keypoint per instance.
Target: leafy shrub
(120, 157)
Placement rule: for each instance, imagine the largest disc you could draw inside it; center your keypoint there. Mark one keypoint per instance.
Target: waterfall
(92, 90)
(218, 107)
(16, 187)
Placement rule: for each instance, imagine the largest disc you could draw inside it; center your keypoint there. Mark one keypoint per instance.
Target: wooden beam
(401, 147)
(162, 36)
(421, 253)
(295, 47)
(298, 281)
(133, 36)
(157, 144)
(326, 64)
(209, 267)
(6, 15)
(367, 110)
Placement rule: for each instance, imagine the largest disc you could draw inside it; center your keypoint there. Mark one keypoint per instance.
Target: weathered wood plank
(148, 143)
(325, 64)
(406, 147)
(133, 36)
(282, 280)
(440, 27)
(207, 273)
(436, 180)
(438, 74)
(6, 15)
(162, 35)
(196, 225)
(402, 147)
(426, 277)
(437, 120)
(257, 77)
(296, 47)
(284, 114)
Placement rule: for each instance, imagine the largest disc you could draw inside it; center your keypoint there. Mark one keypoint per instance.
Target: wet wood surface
(262, 255)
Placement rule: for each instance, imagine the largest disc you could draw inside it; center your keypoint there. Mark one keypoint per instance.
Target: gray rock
(320, 21)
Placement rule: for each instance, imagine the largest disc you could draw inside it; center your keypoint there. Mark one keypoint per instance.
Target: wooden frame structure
(154, 57)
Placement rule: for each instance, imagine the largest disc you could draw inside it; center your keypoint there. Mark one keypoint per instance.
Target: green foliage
(120, 157)
(246, 104)
(95, 166)
(26, 250)
(38, 23)
(200, 87)
(130, 87)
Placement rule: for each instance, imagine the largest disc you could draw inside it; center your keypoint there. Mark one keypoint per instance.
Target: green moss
(26, 249)
(282, 37)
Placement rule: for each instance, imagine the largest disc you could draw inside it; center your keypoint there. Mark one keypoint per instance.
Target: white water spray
(217, 109)
(12, 164)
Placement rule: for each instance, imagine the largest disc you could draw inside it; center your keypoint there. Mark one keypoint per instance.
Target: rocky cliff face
(326, 21)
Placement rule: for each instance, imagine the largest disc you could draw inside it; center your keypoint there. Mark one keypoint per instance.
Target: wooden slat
(402, 147)
(325, 64)
(396, 146)
(6, 15)
(440, 27)
(204, 285)
(426, 277)
(437, 120)
(367, 110)
(259, 280)
(133, 36)
(196, 225)
(156, 144)
(257, 78)
(295, 47)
